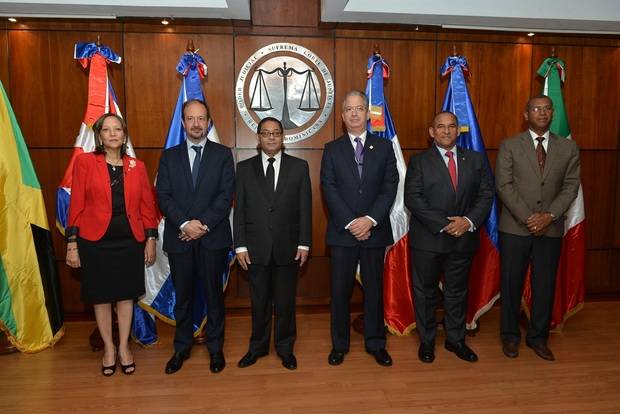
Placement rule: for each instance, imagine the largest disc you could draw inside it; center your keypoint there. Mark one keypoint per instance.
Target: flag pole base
(6, 347)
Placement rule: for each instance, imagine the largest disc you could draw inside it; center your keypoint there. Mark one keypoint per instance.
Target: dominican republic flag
(101, 100)
(159, 300)
(484, 280)
(397, 296)
(569, 287)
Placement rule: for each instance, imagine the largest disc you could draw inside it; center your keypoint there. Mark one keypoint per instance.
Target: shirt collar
(443, 151)
(200, 144)
(361, 136)
(266, 157)
(534, 135)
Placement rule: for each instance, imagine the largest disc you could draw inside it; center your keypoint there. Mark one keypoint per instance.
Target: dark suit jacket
(430, 197)
(348, 197)
(265, 222)
(523, 190)
(210, 202)
(90, 211)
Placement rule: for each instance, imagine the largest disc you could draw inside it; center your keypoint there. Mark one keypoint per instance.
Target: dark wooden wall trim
(48, 91)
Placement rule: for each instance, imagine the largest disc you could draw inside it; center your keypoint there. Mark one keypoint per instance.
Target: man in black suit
(272, 232)
(449, 193)
(359, 180)
(195, 185)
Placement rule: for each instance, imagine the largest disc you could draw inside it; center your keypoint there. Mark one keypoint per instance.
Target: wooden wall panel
(152, 83)
(616, 206)
(590, 92)
(49, 86)
(4, 60)
(285, 13)
(599, 271)
(499, 85)
(599, 196)
(410, 90)
(246, 46)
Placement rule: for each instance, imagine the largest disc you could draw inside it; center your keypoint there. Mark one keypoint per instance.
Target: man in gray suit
(537, 179)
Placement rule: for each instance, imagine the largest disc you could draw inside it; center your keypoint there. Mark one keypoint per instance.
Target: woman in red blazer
(111, 233)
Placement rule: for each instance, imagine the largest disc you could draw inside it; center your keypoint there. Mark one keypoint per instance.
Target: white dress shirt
(545, 142)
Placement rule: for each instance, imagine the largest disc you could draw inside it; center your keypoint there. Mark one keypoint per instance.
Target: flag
(160, 296)
(397, 296)
(570, 277)
(31, 311)
(101, 100)
(484, 280)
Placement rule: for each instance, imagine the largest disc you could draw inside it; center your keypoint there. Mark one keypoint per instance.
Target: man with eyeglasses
(449, 194)
(537, 179)
(359, 180)
(272, 228)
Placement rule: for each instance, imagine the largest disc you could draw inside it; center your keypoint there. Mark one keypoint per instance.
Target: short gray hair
(355, 93)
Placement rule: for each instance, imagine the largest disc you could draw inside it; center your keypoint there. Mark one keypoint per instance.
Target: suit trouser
(198, 271)
(343, 269)
(273, 288)
(427, 268)
(516, 253)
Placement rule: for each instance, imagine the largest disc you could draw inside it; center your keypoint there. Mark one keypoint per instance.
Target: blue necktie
(359, 155)
(196, 164)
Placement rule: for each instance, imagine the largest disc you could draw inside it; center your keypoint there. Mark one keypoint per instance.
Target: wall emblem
(288, 82)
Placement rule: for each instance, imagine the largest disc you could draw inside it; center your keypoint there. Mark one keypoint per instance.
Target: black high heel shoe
(108, 371)
(127, 369)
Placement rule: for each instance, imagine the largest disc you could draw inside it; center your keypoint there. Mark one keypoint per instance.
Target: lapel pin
(371, 147)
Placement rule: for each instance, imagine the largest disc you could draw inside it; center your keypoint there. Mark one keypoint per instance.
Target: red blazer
(90, 210)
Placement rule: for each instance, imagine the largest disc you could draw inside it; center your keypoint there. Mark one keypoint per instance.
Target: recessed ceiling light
(530, 34)
(165, 22)
(12, 19)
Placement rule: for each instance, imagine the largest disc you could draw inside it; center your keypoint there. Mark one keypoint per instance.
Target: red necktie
(541, 154)
(452, 168)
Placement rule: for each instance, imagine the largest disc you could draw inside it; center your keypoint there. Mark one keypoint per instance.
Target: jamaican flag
(30, 301)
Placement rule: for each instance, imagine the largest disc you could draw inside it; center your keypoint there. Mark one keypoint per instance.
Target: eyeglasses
(267, 134)
(359, 108)
(546, 108)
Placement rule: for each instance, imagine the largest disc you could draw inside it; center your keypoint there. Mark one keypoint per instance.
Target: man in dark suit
(195, 185)
(359, 180)
(537, 178)
(272, 233)
(449, 194)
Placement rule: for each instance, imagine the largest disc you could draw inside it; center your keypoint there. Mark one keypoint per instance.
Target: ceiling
(567, 16)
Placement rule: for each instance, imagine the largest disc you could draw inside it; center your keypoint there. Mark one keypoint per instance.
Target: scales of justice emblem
(288, 82)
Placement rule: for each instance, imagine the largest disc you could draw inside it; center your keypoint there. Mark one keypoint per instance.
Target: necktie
(270, 175)
(452, 168)
(359, 155)
(196, 164)
(541, 154)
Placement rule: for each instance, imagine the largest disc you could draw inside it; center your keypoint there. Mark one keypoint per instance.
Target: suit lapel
(551, 154)
(261, 179)
(282, 176)
(184, 160)
(202, 169)
(440, 165)
(347, 155)
(369, 156)
(462, 171)
(104, 177)
(527, 144)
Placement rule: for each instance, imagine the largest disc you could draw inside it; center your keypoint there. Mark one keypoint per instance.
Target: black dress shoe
(462, 351)
(217, 362)
(335, 357)
(176, 362)
(382, 357)
(249, 359)
(510, 349)
(289, 361)
(426, 353)
(542, 351)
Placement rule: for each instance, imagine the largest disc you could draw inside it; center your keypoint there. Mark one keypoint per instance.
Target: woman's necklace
(115, 163)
